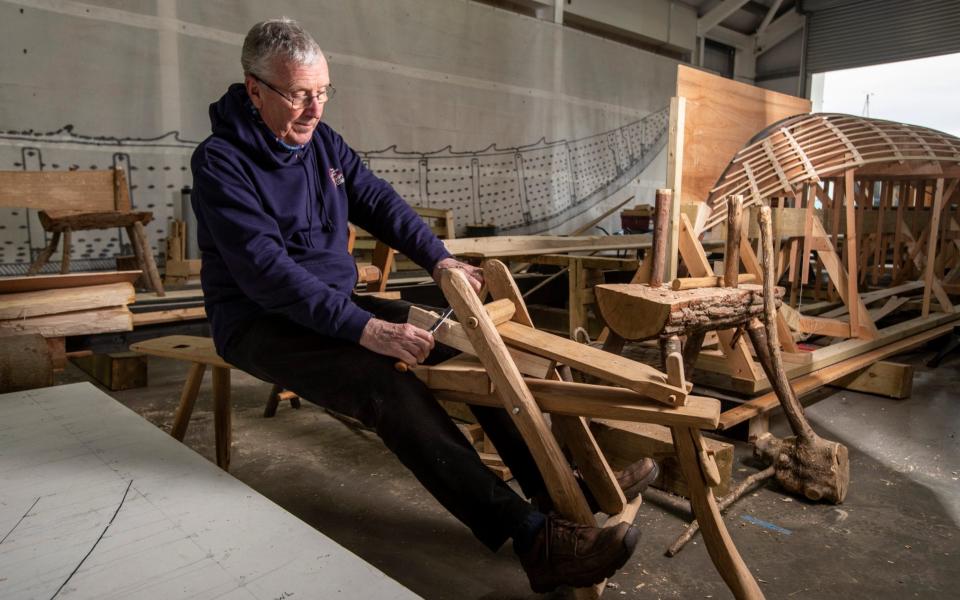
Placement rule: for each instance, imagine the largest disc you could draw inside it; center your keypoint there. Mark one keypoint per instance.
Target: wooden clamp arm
(452, 334)
(630, 374)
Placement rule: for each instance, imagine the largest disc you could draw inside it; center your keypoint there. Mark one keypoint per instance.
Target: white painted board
(96, 502)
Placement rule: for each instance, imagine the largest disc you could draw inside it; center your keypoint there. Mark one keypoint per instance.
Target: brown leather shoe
(565, 553)
(633, 480)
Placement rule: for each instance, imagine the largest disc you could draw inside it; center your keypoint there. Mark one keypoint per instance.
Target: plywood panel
(97, 501)
(88, 191)
(722, 115)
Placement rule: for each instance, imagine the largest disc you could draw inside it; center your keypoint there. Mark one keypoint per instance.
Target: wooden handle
(401, 366)
(661, 230)
(689, 283)
(731, 258)
(368, 273)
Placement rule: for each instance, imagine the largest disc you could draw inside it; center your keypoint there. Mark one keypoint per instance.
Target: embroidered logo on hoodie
(336, 176)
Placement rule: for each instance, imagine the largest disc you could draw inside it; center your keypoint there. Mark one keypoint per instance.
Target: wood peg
(472, 322)
(661, 227)
(675, 376)
(731, 258)
(708, 466)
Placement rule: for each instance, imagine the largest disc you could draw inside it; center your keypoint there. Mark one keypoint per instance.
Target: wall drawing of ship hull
(528, 189)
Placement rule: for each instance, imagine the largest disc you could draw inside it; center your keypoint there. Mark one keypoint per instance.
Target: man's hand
(404, 341)
(474, 274)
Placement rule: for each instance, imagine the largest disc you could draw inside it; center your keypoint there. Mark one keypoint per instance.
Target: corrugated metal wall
(856, 33)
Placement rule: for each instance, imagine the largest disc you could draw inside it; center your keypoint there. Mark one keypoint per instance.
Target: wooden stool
(113, 210)
(199, 351)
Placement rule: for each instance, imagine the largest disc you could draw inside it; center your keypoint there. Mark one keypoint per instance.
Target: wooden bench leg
(45, 254)
(273, 401)
(188, 398)
(65, 262)
(136, 248)
(153, 276)
(722, 551)
(221, 415)
(575, 433)
(278, 395)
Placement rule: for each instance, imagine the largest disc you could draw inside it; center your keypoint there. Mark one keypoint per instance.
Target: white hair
(281, 38)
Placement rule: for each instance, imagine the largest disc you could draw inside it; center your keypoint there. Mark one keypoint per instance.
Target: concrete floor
(896, 536)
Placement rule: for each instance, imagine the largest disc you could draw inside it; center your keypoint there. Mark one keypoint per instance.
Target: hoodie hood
(237, 120)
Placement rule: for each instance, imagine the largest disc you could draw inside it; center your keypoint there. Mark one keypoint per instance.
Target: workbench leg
(45, 254)
(577, 311)
(221, 415)
(153, 276)
(691, 350)
(188, 397)
(716, 538)
(67, 248)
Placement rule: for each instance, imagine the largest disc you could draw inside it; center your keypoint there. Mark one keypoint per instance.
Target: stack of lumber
(57, 306)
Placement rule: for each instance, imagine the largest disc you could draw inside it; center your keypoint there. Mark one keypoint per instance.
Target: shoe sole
(629, 544)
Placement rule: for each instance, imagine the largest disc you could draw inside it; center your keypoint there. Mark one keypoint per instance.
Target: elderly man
(273, 190)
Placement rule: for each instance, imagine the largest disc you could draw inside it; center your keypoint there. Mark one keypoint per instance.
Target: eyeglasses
(301, 100)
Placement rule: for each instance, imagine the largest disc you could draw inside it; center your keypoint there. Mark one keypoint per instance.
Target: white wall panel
(543, 122)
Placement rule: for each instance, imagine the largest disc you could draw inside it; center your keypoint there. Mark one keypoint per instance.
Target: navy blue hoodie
(272, 224)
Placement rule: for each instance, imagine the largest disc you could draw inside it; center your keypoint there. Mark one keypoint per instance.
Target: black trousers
(349, 379)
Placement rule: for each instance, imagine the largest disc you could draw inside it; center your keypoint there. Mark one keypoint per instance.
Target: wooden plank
(86, 191)
(689, 283)
(807, 232)
(932, 247)
(604, 402)
(822, 326)
(15, 285)
(104, 320)
(882, 378)
(917, 261)
(815, 380)
(850, 246)
(173, 315)
(839, 277)
(588, 262)
(506, 246)
(807, 362)
(721, 117)
(56, 301)
(676, 142)
(577, 312)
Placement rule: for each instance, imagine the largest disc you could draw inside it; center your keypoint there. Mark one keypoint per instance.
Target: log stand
(805, 463)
